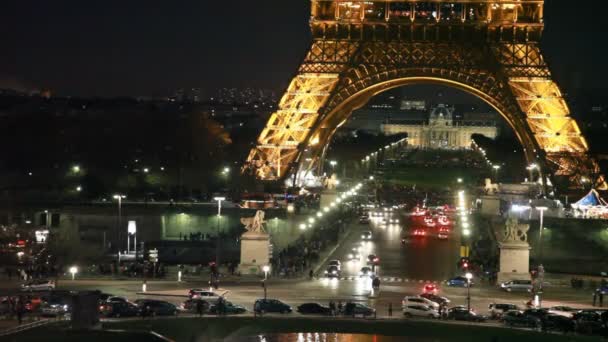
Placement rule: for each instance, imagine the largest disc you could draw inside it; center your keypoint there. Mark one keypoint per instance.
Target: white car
(517, 285)
(336, 263)
(366, 235)
(38, 285)
(420, 311)
(206, 295)
(417, 300)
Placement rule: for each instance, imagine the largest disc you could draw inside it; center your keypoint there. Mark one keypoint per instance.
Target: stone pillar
(514, 261)
(254, 252)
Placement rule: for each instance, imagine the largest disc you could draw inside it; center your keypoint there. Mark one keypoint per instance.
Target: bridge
(488, 48)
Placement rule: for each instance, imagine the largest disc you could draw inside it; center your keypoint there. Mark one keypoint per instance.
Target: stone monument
(255, 245)
(514, 252)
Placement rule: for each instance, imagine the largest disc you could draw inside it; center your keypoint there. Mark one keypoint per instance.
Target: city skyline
(152, 49)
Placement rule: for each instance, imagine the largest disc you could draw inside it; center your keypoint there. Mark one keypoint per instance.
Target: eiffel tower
(488, 48)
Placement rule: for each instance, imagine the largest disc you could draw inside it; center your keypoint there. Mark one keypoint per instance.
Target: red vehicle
(430, 288)
(419, 233)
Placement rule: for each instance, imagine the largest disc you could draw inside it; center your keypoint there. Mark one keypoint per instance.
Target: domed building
(441, 131)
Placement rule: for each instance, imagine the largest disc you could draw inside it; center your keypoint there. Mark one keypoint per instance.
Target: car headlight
(363, 236)
(333, 272)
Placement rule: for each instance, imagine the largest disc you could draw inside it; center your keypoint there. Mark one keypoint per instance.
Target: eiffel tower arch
(488, 48)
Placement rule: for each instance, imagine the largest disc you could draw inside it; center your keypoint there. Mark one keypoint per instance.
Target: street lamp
(469, 276)
(540, 234)
(219, 217)
(73, 271)
(119, 197)
(265, 268)
(496, 168)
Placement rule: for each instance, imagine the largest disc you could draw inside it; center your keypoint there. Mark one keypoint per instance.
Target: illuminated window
(349, 10)
(375, 10)
(400, 11)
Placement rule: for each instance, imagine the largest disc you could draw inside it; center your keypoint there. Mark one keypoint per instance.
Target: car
(419, 310)
(356, 309)
(538, 313)
(459, 281)
(156, 307)
(4, 306)
(55, 306)
(558, 323)
(38, 285)
(313, 308)
(430, 288)
(588, 322)
(565, 311)
(335, 263)
(190, 304)
(206, 295)
(373, 259)
(366, 235)
(120, 309)
(496, 310)
(517, 285)
(437, 299)
(116, 299)
(332, 272)
(417, 300)
(464, 314)
(364, 219)
(229, 308)
(393, 221)
(271, 305)
(354, 256)
(419, 233)
(443, 234)
(516, 318)
(586, 315)
(366, 272)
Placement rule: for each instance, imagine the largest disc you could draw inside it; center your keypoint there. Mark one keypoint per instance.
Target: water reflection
(326, 337)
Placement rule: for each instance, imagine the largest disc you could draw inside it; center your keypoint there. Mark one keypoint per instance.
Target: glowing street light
(76, 168)
(79, 188)
(303, 226)
(266, 269)
(73, 271)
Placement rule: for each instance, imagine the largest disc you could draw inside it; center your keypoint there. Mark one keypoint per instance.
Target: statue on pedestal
(255, 224)
(515, 232)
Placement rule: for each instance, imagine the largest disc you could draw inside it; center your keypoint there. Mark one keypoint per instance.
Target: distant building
(413, 105)
(441, 131)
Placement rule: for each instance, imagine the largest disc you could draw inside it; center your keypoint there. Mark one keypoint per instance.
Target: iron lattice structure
(361, 48)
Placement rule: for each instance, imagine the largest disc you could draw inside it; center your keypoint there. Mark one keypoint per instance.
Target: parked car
(464, 314)
(229, 308)
(116, 299)
(496, 310)
(38, 285)
(587, 321)
(559, 323)
(55, 306)
(459, 281)
(271, 305)
(516, 318)
(565, 311)
(364, 219)
(189, 305)
(419, 310)
(356, 309)
(417, 300)
(313, 308)
(120, 309)
(538, 313)
(517, 285)
(156, 307)
(435, 298)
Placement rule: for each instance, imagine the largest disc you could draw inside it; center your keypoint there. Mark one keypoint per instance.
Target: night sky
(133, 47)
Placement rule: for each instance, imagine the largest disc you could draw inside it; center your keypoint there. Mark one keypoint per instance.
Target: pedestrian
(332, 307)
(310, 274)
(390, 309)
(595, 297)
(199, 307)
(340, 308)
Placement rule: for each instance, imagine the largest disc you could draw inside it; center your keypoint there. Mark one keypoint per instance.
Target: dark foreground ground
(218, 329)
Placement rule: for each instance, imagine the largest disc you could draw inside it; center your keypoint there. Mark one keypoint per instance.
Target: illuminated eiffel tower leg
(361, 48)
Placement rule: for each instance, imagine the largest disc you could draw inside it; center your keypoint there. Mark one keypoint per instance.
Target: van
(517, 285)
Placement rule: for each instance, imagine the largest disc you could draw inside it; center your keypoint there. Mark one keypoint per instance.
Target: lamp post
(496, 168)
(219, 217)
(73, 271)
(119, 197)
(265, 268)
(540, 234)
(469, 276)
